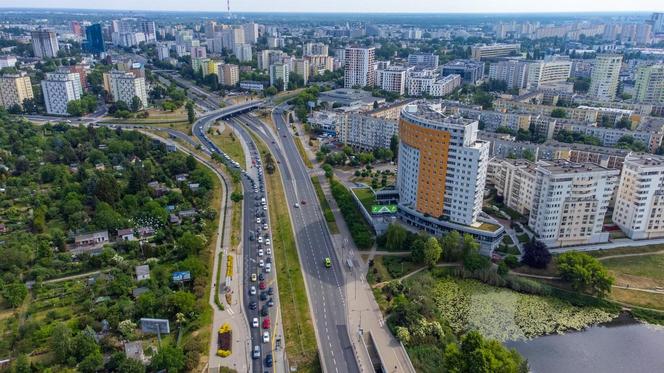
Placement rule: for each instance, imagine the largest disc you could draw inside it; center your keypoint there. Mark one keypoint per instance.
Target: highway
(325, 287)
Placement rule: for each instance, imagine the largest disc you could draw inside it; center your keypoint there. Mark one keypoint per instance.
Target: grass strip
(327, 211)
(301, 345)
(359, 229)
(303, 153)
(216, 292)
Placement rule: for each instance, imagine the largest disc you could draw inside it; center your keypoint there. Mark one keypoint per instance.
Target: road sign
(383, 209)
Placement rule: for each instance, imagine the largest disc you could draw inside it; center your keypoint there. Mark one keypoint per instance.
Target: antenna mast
(228, 7)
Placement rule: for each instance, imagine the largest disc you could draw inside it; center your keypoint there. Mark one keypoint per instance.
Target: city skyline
(369, 6)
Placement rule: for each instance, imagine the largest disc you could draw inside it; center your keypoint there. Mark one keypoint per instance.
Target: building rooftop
(647, 160)
(561, 166)
(433, 112)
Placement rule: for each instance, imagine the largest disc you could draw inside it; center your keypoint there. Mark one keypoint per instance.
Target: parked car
(254, 322)
(257, 352)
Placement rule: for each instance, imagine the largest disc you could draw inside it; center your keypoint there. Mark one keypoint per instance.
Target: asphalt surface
(325, 286)
(252, 206)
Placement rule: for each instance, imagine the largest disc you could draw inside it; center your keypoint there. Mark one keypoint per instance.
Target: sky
(398, 6)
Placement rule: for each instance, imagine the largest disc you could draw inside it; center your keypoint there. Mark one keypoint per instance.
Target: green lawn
(303, 153)
(327, 211)
(647, 266)
(229, 143)
(366, 196)
(523, 238)
(627, 250)
(297, 323)
(386, 268)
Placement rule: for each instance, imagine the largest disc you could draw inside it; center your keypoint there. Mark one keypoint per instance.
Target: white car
(254, 322)
(265, 208)
(260, 252)
(267, 242)
(269, 251)
(266, 337)
(252, 290)
(260, 239)
(268, 267)
(297, 205)
(258, 220)
(261, 263)
(265, 226)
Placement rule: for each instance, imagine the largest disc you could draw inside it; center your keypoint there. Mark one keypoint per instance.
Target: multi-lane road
(325, 286)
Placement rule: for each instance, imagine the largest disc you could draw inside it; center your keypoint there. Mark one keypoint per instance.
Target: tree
(91, 363)
(452, 247)
(62, 342)
(136, 104)
(585, 273)
(14, 294)
(329, 171)
(74, 108)
(558, 113)
(170, 358)
(236, 196)
(126, 328)
(395, 237)
(191, 114)
(432, 252)
(190, 243)
(478, 355)
(271, 91)
(536, 254)
(22, 364)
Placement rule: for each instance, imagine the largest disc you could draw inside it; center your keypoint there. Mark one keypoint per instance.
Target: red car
(303, 202)
(266, 323)
(261, 285)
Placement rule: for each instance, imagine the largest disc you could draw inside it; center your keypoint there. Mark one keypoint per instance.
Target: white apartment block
(315, 49)
(392, 79)
(480, 52)
(279, 72)
(544, 73)
(243, 52)
(445, 85)
(649, 87)
(59, 90)
(267, 57)
(320, 64)
(639, 207)
(513, 73)
(163, 52)
(14, 89)
(605, 77)
(423, 60)
(359, 67)
(570, 202)
(428, 82)
(124, 87)
(366, 132)
(250, 32)
(514, 180)
(7, 61)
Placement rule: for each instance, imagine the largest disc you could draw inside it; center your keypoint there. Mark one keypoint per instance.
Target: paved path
(629, 255)
(625, 242)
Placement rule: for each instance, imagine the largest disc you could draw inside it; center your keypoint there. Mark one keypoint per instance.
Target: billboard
(155, 326)
(181, 276)
(383, 209)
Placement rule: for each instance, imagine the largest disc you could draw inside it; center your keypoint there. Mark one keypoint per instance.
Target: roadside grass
(638, 271)
(389, 267)
(303, 153)
(229, 143)
(301, 344)
(325, 205)
(366, 196)
(216, 291)
(626, 250)
(638, 298)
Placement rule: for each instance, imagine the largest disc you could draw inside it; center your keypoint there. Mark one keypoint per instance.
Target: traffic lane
(330, 313)
(248, 270)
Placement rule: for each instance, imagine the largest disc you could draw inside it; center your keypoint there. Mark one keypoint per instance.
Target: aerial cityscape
(308, 186)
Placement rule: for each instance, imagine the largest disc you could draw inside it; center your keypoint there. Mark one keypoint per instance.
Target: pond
(623, 345)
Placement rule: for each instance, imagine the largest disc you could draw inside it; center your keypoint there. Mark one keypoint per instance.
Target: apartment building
(441, 174)
(124, 86)
(58, 90)
(423, 60)
(445, 85)
(471, 72)
(543, 73)
(267, 57)
(279, 73)
(515, 182)
(639, 208)
(365, 132)
(605, 77)
(251, 32)
(570, 201)
(228, 74)
(481, 52)
(320, 64)
(14, 89)
(359, 67)
(514, 73)
(649, 86)
(45, 43)
(301, 67)
(243, 52)
(392, 79)
(315, 49)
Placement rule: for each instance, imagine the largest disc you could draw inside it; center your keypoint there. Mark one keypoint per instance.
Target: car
(297, 205)
(268, 267)
(265, 226)
(251, 237)
(269, 251)
(284, 136)
(261, 286)
(253, 305)
(266, 337)
(268, 360)
(261, 263)
(270, 302)
(252, 290)
(257, 352)
(268, 260)
(253, 277)
(267, 242)
(303, 202)
(261, 277)
(263, 296)
(270, 291)
(260, 239)
(265, 310)
(265, 208)
(260, 252)
(266, 323)
(328, 263)
(258, 220)
(254, 322)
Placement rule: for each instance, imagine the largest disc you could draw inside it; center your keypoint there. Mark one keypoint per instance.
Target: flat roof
(562, 166)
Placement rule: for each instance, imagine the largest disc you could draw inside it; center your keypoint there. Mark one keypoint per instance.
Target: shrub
(536, 254)
(511, 261)
(359, 229)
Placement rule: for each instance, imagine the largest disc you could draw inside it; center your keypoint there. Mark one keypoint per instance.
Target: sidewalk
(364, 316)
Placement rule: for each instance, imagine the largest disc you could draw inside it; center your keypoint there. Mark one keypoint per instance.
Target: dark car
(268, 360)
(270, 291)
(263, 296)
(265, 310)
(261, 277)
(270, 303)
(253, 305)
